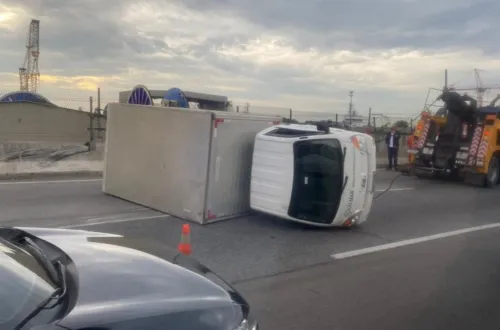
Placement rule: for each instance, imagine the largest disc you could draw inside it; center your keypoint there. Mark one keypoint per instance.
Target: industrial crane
(29, 75)
(480, 88)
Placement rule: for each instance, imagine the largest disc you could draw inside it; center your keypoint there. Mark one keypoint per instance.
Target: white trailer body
(191, 164)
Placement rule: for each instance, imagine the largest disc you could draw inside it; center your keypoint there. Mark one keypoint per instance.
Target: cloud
(305, 55)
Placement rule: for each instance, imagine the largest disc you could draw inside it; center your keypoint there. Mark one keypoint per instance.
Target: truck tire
(491, 178)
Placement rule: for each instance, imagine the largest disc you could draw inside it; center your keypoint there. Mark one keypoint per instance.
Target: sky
(304, 55)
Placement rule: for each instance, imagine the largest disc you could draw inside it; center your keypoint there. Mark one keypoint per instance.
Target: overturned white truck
(315, 175)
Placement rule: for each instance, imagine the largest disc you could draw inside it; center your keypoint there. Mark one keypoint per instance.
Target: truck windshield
(23, 285)
(318, 180)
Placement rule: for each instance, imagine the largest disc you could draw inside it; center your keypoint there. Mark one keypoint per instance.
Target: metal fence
(374, 120)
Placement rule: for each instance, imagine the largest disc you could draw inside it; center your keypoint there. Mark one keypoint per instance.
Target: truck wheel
(491, 179)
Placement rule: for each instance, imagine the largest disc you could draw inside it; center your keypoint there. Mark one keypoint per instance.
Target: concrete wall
(33, 122)
(33, 126)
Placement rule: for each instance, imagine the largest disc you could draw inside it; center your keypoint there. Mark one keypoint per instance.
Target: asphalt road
(287, 270)
(446, 284)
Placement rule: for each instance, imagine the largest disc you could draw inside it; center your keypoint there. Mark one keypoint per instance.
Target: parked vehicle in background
(72, 279)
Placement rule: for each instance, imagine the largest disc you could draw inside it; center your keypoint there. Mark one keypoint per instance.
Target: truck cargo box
(191, 164)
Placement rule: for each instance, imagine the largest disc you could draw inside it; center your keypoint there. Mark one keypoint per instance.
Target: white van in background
(313, 175)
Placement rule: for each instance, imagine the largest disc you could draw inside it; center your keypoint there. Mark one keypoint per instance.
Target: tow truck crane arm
(457, 104)
(492, 103)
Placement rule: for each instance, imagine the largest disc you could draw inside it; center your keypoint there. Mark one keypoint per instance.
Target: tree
(401, 124)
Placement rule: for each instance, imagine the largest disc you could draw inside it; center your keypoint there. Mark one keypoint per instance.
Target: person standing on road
(392, 142)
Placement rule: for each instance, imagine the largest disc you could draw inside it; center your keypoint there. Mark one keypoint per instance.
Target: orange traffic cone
(185, 244)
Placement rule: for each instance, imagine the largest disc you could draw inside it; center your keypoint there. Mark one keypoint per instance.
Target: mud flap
(474, 179)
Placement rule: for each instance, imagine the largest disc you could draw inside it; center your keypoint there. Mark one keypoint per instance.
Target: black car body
(112, 282)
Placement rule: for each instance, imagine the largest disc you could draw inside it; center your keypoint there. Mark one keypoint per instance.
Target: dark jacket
(397, 136)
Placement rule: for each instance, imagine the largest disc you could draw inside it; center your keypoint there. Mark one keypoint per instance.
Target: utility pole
(99, 133)
(92, 144)
(369, 117)
(351, 94)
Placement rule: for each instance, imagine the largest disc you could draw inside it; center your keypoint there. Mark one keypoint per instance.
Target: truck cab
(313, 175)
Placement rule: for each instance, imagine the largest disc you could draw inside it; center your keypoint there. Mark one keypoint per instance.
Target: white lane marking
(125, 213)
(378, 248)
(394, 189)
(96, 222)
(51, 181)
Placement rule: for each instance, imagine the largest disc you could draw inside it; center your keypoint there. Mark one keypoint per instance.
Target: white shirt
(391, 141)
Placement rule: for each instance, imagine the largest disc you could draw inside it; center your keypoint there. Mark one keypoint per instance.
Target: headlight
(247, 325)
(243, 326)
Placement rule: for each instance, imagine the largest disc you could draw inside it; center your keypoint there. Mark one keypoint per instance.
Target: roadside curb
(48, 175)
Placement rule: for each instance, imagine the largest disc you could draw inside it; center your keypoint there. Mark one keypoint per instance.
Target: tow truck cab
(467, 149)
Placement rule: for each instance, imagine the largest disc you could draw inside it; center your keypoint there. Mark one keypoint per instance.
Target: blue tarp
(176, 95)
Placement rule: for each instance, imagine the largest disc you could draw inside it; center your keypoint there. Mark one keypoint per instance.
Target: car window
(23, 285)
(291, 133)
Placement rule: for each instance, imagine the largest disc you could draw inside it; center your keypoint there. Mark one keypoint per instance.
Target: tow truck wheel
(491, 179)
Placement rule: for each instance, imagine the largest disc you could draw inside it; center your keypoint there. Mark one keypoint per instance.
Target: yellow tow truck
(460, 141)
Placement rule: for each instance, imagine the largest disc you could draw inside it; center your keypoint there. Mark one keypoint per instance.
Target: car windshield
(23, 285)
(318, 178)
